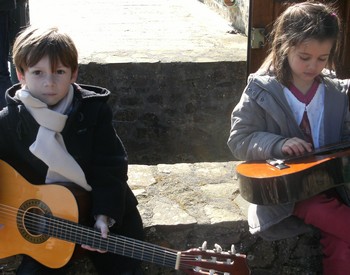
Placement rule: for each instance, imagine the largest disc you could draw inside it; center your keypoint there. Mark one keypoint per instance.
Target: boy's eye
(60, 72)
(36, 72)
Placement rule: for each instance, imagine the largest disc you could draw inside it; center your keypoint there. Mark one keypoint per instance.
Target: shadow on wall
(171, 112)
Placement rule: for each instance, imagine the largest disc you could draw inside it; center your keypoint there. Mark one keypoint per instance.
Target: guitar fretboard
(117, 244)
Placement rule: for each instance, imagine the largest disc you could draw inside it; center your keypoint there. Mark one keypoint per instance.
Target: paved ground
(109, 31)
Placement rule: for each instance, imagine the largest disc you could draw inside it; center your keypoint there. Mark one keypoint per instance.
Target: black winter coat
(89, 137)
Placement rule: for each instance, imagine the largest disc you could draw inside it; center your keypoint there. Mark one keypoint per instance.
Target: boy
(54, 130)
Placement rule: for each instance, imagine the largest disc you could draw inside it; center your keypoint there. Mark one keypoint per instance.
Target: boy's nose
(49, 80)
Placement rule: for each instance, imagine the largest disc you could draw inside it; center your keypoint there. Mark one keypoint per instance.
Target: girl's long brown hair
(298, 23)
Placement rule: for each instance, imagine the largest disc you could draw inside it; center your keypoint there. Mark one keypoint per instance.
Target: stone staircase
(175, 69)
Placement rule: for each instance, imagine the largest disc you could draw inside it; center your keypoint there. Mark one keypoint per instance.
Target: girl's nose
(313, 64)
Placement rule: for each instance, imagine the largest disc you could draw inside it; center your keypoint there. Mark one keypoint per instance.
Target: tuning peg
(218, 248)
(233, 249)
(204, 246)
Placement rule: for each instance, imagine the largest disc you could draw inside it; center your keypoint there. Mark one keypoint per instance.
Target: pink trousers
(326, 212)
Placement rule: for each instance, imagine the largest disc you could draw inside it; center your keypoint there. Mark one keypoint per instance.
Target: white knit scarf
(49, 144)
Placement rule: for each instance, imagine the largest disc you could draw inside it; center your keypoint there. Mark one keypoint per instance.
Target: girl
(292, 105)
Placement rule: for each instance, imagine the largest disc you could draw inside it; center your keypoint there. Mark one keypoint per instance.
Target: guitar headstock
(203, 261)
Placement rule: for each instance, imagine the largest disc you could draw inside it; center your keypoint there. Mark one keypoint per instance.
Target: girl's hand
(101, 224)
(296, 147)
(1, 226)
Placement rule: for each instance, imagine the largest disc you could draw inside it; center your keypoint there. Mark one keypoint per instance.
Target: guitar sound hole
(34, 221)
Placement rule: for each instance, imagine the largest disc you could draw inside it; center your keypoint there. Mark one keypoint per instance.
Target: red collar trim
(308, 96)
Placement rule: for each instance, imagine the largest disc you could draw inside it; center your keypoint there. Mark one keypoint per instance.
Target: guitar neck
(117, 244)
(329, 149)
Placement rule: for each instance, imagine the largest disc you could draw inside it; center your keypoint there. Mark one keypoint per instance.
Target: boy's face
(47, 86)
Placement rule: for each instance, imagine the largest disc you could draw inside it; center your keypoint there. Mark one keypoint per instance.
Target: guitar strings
(154, 253)
(40, 218)
(193, 258)
(32, 220)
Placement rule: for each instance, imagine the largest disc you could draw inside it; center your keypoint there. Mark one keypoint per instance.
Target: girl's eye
(304, 58)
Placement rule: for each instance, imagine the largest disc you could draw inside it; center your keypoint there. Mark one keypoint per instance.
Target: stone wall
(171, 112)
(237, 12)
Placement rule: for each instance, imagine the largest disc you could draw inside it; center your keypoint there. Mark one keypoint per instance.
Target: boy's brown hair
(32, 44)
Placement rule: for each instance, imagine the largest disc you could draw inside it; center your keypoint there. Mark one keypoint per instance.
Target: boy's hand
(296, 147)
(101, 224)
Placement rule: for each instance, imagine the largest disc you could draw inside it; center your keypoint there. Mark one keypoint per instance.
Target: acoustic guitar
(277, 181)
(42, 221)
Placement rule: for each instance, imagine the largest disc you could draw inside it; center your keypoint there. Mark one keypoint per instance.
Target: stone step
(185, 204)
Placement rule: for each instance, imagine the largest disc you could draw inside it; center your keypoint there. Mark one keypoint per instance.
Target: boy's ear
(74, 76)
(20, 77)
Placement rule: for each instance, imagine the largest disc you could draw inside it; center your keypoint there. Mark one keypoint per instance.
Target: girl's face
(307, 60)
(45, 85)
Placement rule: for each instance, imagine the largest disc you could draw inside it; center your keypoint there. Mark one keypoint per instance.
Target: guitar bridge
(278, 163)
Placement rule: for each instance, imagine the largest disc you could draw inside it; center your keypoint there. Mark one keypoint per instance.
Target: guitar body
(264, 184)
(42, 221)
(17, 197)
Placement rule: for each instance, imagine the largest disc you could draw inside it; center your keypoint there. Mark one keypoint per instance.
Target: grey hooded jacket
(260, 124)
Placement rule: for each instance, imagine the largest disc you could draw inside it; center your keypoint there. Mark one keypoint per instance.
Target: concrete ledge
(142, 31)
